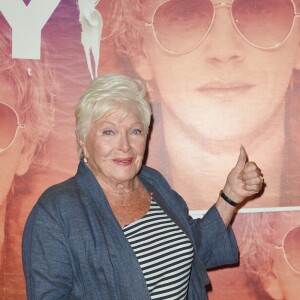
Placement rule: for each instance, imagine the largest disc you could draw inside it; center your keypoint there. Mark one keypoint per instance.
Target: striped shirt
(164, 253)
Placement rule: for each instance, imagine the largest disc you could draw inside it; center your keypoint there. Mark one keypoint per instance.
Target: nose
(223, 43)
(124, 144)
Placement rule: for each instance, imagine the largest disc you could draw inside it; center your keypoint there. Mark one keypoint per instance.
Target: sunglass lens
(292, 248)
(264, 23)
(181, 25)
(8, 125)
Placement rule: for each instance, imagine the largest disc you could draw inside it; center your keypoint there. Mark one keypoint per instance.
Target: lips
(123, 161)
(218, 89)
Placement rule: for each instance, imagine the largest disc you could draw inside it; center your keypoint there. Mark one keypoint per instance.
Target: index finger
(251, 166)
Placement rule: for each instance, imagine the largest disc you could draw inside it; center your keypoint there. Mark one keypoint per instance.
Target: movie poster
(219, 75)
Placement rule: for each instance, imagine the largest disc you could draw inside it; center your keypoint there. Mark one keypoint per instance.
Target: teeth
(124, 160)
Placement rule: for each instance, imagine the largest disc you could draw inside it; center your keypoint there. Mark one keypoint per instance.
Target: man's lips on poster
(222, 89)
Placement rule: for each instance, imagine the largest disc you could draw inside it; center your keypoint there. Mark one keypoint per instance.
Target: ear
(25, 157)
(142, 66)
(272, 286)
(83, 147)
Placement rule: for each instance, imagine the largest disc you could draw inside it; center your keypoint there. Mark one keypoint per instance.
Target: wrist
(225, 210)
(227, 199)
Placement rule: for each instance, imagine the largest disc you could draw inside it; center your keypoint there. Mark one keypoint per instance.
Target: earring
(85, 159)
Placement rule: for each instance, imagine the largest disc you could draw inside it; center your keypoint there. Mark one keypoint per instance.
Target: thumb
(242, 158)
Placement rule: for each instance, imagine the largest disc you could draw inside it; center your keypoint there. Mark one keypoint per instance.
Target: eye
(108, 132)
(136, 131)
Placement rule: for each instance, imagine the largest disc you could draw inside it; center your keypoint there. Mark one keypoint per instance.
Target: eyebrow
(114, 124)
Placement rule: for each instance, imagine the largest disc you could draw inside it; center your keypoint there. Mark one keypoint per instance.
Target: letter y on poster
(27, 23)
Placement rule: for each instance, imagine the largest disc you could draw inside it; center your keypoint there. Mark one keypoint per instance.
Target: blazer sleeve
(46, 263)
(216, 243)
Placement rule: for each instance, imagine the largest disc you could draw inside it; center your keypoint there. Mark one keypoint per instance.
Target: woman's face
(115, 146)
(225, 88)
(284, 283)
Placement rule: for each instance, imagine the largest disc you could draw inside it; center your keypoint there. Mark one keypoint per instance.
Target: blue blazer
(74, 248)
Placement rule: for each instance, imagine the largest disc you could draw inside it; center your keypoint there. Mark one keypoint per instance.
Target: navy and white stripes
(164, 253)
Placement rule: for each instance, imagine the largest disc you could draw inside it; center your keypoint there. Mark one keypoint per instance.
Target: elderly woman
(117, 230)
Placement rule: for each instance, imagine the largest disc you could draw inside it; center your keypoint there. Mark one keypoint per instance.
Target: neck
(112, 185)
(118, 188)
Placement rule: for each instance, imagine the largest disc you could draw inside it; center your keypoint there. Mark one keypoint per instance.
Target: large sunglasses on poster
(179, 26)
(291, 249)
(9, 125)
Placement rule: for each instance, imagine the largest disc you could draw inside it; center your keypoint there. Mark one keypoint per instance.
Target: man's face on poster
(231, 77)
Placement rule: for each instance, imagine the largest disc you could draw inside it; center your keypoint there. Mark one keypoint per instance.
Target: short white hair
(108, 93)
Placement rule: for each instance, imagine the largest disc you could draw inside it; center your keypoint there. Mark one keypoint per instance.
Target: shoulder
(64, 205)
(59, 192)
(61, 201)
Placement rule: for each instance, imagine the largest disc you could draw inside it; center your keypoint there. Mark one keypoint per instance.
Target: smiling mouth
(123, 161)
